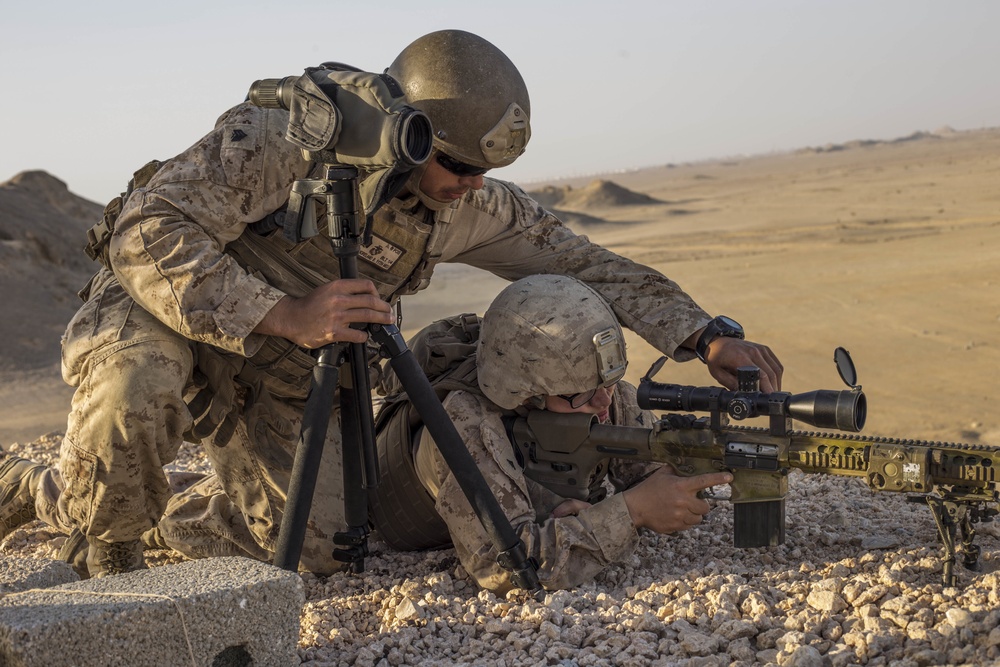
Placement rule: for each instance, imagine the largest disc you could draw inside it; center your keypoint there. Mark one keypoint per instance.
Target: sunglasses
(579, 400)
(458, 167)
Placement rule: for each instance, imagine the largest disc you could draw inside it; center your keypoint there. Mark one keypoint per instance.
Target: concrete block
(217, 612)
(20, 574)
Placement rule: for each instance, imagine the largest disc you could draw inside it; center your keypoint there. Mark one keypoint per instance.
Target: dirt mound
(43, 228)
(596, 194)
(602, 193)
(944, 131)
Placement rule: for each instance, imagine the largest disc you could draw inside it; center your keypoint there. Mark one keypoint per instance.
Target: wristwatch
(723, 326)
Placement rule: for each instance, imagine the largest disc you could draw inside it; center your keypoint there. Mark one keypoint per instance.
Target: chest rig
(402, 246)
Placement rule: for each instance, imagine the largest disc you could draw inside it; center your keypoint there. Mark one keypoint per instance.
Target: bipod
(346, 365)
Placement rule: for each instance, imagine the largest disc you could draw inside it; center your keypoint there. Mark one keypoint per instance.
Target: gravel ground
(857, 582)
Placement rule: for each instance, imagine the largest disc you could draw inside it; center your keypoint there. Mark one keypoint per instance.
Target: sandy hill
(596, 194)
(43, 228)
(941, 132)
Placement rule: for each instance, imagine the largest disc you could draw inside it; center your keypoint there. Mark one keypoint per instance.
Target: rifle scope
(823, 408)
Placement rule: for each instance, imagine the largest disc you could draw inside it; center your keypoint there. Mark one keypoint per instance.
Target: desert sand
(890, 249)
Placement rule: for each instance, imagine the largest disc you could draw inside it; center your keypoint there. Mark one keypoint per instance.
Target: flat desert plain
(888, 249)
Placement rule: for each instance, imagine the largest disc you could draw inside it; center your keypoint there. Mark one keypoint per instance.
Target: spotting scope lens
(824, 408)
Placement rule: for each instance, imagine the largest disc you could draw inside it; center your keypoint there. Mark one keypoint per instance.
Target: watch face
(729, 323)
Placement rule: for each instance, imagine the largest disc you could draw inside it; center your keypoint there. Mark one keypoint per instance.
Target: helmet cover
(547, 335)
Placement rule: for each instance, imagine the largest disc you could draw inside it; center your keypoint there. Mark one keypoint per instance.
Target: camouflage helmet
(473, 94)
(547, 335)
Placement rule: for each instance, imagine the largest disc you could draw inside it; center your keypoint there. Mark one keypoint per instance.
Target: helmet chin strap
(413, 186)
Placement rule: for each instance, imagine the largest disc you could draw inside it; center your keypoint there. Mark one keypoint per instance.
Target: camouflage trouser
(128, 420)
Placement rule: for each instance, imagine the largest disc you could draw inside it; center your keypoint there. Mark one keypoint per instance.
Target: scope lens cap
(845, 366)
(655, 368)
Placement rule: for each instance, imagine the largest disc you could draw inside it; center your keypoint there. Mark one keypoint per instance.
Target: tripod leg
(353, 541)
(308, 454)
(365, 414)
(511, 553)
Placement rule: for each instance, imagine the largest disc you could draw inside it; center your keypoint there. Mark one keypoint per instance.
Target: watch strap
(720, 326)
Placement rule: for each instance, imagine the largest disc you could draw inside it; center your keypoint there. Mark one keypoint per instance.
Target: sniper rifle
(959, 482)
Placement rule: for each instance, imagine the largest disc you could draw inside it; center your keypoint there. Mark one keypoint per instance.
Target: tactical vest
(399, 260)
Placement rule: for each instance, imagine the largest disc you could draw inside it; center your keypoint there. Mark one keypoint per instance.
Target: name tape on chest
(381, 253)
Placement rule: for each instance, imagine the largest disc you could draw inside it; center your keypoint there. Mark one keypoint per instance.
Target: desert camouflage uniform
(180, 293)
(569, 550)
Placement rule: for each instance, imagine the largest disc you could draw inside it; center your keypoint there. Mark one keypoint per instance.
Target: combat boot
(18, 484)
(107, 558)
(76, 549)
(153, 539)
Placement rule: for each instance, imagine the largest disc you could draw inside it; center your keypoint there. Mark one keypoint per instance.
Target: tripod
(345, 364)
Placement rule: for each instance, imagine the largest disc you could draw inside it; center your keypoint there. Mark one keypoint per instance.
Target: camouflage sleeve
(167, 245)
(506, 232)
(570, 550)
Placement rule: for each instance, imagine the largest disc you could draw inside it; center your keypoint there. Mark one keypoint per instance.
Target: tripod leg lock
(523, 570)
(354, 547)
(390, 341)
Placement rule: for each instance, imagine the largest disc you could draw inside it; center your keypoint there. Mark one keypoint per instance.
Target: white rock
(408, 611)
(958, 617)
(826, 600)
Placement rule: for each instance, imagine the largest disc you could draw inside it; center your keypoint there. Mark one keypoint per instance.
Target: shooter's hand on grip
(325, 314)
(665, 502)
(725, 355)
(569, 507)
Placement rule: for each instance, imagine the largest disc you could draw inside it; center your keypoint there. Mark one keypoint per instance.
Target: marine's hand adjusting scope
(823, 408)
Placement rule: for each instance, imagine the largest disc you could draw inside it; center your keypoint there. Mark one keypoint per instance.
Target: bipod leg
(308, 454)
(944, 516)
(970, 550)
(511, 553)
(353, 541)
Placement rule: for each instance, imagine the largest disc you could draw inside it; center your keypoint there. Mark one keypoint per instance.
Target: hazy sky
(93, 90)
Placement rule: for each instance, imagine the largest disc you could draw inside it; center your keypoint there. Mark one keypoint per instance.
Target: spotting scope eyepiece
(823, 408)
(273, 93)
